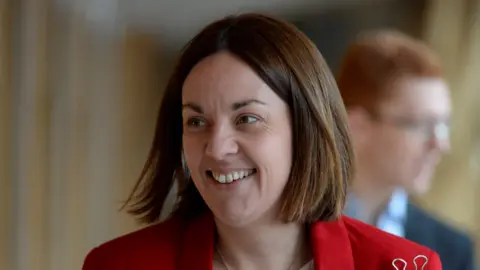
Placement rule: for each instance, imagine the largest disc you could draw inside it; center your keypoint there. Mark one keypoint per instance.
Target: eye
(195, 122)
(247, 119)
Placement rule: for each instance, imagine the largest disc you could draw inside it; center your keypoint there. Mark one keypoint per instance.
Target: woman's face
(237, 140)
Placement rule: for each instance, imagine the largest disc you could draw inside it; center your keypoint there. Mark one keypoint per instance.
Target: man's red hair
(376, 60)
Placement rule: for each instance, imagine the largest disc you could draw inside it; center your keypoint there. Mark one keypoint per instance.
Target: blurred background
(80, 85)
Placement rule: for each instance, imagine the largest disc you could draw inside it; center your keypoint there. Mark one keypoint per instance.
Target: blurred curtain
(453, 30)
(77, 110)
(5, 131)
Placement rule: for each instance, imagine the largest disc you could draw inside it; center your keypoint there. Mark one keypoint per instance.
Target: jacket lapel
(197, 246)
(416, 227)
(331, 246)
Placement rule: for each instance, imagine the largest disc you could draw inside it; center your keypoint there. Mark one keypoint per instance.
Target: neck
(372, 196)
(273, 245)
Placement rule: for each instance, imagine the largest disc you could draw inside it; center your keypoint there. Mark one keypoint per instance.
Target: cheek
(406, 158)
(409, 148)
(398, 144)
(386, 152)
(278, 156)
(274, 156)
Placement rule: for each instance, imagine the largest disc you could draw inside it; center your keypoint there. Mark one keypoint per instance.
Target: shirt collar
(395, 209)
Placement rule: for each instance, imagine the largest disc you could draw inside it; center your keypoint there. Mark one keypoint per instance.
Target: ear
(359, 123)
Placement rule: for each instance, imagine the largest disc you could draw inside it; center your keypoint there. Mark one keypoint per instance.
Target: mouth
(230, 177)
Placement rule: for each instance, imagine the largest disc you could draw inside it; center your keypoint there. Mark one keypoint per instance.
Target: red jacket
(345, 244)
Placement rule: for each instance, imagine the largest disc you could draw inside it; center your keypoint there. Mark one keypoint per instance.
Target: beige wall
(6, 121)
(30, 129)
(75, 128)
(453, 30)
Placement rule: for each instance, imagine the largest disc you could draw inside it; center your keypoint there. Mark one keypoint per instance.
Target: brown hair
(379, 58)
(292, 67)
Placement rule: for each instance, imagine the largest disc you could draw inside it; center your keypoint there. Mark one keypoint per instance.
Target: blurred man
(399, 111)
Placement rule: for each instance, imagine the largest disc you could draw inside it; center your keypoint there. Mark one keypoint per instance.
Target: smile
(231, 176)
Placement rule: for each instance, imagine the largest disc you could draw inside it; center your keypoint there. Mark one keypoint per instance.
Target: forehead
(420, 96)
(224, 77)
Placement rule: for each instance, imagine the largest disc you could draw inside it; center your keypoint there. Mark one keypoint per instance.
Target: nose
(221, 143)
(444, 145)
(441, 138)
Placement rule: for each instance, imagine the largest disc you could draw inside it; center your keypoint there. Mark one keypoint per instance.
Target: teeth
(232, 176)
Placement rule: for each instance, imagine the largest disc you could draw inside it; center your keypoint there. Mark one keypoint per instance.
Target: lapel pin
(401, 264)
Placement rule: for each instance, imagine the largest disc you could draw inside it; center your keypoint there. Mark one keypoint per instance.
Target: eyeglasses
(429, 128)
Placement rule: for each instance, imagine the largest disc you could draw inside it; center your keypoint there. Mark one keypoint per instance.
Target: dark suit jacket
(455, 248)
(177, 244)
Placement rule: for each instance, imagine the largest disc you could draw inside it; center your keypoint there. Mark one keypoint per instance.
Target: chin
(416, 191)
(422, 189)
(234, 221)
(421, 183)
(235, 218)
(420, 186)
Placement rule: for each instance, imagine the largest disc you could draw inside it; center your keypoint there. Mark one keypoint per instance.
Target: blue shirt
(392, 219)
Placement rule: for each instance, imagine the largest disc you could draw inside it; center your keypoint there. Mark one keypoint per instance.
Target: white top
(308, 266)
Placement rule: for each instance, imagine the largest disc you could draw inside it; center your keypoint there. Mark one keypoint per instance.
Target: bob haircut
(376, 60)
(294, 69)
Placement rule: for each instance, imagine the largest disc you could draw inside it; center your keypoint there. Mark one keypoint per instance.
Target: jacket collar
(330, 243)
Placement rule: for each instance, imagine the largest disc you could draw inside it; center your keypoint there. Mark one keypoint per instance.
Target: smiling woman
(245, 129)
(253, 129)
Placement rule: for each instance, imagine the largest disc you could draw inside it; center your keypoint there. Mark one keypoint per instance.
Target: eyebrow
(235, 106)
(192, 106)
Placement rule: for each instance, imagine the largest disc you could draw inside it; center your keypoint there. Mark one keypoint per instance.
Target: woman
(253, 130)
